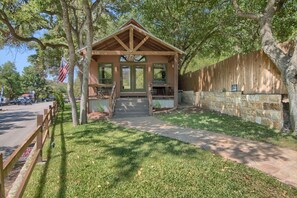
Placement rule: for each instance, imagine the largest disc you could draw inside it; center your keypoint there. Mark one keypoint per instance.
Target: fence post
(46, 121)
(2, 187)
(51, 113)
(39, 136)
(45, 111)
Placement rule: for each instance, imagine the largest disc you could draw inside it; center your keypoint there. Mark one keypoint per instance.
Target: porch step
(131, 107)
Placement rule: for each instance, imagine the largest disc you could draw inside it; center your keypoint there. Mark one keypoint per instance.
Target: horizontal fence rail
(38, 137)
(249, 73)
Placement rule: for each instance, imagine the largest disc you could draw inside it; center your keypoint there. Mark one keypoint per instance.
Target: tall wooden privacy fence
(38, 137)
(251, 73)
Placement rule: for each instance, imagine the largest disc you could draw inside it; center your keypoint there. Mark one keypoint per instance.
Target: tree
(34, 79)
(77, 87)
(76, 30)
(285, 60)
(198, 27)
(10, 79)
(20, 20)
(88, 56)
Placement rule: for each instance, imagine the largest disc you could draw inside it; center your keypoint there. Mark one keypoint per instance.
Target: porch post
(175, 80)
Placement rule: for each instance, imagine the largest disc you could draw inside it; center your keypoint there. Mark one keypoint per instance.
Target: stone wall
(188, 97)
(266, 109)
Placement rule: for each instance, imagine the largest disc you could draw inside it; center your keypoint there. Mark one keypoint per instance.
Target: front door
(132, 78)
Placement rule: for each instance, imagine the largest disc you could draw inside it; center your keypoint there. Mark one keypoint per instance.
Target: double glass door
(132, 78)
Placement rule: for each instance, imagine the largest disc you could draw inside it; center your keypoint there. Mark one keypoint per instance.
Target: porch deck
(162, 96)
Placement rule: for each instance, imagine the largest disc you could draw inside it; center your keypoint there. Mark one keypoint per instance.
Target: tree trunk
(286, 64)
(70, 87)
(71, 51)
(292, 92)
(80, 75)
(88, 56)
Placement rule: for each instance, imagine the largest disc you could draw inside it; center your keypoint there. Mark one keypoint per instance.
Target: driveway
(17, 122)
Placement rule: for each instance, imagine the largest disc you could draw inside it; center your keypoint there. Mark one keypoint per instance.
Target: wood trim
(131, 39)
(119, 52)
(121, 43)
(141, 43)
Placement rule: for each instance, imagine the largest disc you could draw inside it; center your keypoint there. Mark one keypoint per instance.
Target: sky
(16, 55)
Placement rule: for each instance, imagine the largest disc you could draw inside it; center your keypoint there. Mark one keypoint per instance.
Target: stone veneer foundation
(266, 109)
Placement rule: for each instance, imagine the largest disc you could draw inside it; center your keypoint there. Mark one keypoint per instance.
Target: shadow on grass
(127, 147)
(63, 166)
(43, 176)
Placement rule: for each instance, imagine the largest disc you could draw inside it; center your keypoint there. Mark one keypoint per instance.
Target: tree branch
(269, 45)
(5, 20)
(240, 13)
(193, 52)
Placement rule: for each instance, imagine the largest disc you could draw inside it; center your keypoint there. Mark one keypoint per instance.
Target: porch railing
(150, 99)
(112, 99)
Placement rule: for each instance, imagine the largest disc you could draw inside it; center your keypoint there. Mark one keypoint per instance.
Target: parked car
(25, 101)
(14, 101)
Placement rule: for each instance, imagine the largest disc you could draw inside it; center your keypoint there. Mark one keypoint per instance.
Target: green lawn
(230, 125)
(103, 160)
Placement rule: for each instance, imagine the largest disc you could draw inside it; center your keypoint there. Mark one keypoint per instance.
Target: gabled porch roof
(132, 39)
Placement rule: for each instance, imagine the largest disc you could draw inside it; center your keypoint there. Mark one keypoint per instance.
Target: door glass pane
(139, 77)
(126, 75)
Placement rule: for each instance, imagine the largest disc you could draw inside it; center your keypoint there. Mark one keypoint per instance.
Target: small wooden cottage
(133, 65)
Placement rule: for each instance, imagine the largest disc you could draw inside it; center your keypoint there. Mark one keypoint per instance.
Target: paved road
(17, 122)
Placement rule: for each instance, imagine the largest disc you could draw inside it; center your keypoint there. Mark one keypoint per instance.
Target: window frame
(133, 60)
(159, 81)
(112, 72)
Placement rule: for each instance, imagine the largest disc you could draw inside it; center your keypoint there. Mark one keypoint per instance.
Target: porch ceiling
(132, 38)
(149, 44)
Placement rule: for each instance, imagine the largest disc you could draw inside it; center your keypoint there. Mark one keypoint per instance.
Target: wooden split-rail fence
(38, 138)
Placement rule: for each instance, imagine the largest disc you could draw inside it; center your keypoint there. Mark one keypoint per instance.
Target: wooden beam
(158, 40)
(175, 80)
(109, 37)
(119, 52)
(121, 43)
(141, 43)
(131, 40)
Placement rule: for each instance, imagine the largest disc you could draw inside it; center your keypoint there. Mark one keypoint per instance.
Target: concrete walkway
(278, 162)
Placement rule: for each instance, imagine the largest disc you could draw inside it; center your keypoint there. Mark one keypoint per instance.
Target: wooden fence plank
(26, 178)
(13, 158)
(253, 73)
(2, 187)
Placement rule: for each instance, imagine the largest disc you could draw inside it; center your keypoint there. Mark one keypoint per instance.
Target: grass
(231, 125)
(103, 160)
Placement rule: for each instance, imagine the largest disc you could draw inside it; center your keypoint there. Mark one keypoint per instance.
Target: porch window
(159, 73)
(105, 73)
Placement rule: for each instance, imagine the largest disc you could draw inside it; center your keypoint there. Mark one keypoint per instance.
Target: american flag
(63, 70)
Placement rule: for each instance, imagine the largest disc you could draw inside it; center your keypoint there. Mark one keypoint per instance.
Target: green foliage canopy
(10, 78)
